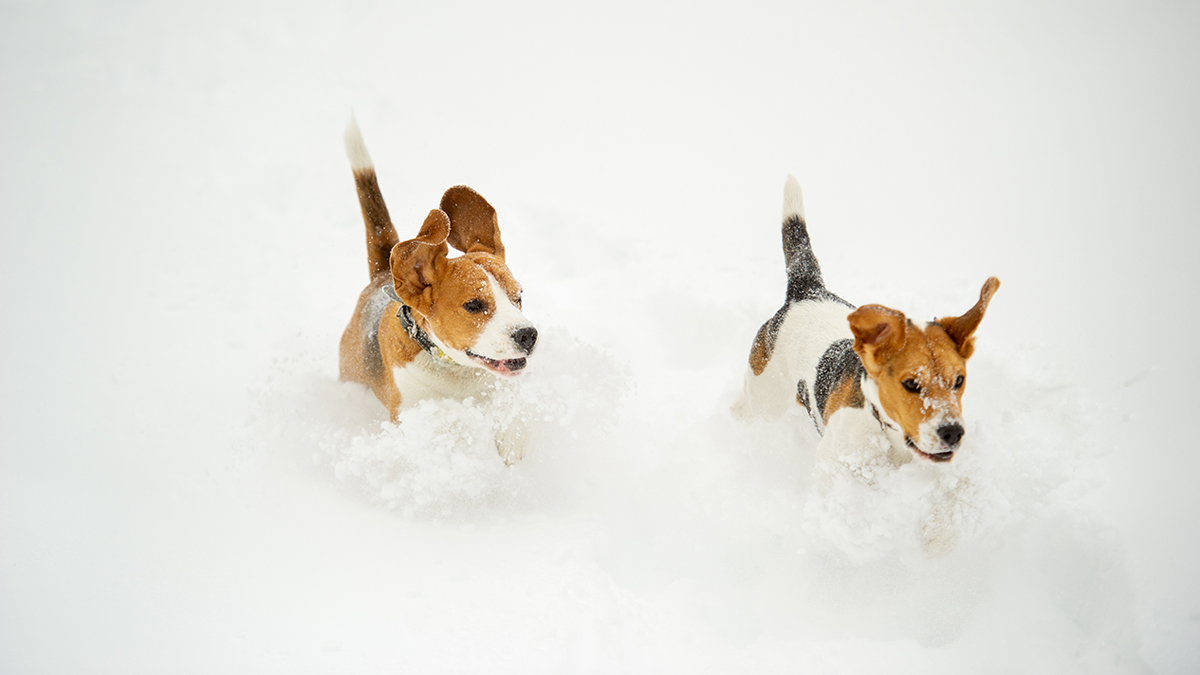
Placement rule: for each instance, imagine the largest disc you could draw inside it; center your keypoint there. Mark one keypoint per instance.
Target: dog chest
(424, 377)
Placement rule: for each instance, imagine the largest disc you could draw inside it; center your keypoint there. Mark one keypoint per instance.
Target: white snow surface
(185, 485)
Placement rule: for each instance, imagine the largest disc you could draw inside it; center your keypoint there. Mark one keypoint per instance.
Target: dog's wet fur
(822, 353)
(466, 320)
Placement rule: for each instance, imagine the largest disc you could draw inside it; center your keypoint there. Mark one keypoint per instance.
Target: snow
(185, 486)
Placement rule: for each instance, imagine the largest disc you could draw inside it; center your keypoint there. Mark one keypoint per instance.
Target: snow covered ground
(186, 487)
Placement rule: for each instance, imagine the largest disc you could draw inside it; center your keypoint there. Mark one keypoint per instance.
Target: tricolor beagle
(821, 352)
(430, 326)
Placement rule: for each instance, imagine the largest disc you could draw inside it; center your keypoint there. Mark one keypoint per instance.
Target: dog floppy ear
(879, 334)
(473, 226)
(417, 262)
(961, 328)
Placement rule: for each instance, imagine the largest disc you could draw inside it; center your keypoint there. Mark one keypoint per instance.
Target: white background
(181, 248)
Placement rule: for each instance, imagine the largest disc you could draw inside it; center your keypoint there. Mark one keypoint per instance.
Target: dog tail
(804, 273)
(381, 235)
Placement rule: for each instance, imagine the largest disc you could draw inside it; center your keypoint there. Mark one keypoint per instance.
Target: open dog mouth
(934, 457)
(505, 367)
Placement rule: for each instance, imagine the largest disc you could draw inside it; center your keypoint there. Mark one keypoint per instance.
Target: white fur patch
(426, 377)
(356, 147)
(793, 199)
(496, 341)
(806, 332)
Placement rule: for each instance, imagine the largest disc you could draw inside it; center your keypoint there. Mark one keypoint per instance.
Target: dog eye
(958, 382)
(475, 306)
(518, 303)
(911, 386)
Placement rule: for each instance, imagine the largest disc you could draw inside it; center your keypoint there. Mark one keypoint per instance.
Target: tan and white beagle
(427, 325)
(821, 352)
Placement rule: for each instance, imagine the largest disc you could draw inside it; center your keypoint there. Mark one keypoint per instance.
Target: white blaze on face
(495, 349)
(496, 341)
(927, 438)
(944, 413)
(928, 432)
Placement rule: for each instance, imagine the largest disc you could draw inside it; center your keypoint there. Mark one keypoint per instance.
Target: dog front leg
(512, 438)
(942, 528)
(389, 395)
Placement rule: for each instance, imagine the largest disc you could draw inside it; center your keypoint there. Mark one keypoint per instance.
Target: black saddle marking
(837, 362)
(804, 272)
(372, 356)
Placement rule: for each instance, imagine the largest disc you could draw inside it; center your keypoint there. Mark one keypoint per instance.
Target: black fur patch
(837, 361)
(372, 357)
(802, 395)
(803, 270)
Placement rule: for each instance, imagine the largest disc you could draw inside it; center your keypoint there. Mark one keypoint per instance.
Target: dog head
(470, 306)
(916, 377)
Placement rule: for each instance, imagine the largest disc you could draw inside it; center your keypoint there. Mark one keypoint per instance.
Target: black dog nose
(525, 338)
(951, 434)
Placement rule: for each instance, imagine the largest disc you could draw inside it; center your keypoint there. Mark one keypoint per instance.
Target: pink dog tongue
(512, 365)
(506, 367)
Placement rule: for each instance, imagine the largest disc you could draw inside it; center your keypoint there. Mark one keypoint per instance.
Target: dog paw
(511, 442)
(938, 537)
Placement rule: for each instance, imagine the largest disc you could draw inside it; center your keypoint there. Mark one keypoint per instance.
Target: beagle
(835, 360)
(427, 325)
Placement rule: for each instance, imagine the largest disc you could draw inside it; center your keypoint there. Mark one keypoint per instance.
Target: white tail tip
(356, 148)
(793, 199)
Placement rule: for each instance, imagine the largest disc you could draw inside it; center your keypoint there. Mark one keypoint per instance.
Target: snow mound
(1025, 441)
(442, 459)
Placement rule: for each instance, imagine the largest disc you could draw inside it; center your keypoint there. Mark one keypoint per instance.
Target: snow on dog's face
(917, 376)
(471, 305)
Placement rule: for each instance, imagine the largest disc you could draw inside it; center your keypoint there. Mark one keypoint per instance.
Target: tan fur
(760, 351)
(381, 235)
(847, 393)
(429, 282)
(350, 362)
(894, 350)
(500, 272)
(396, 349)
(961, 328)
(443, 313)
(418, 263)
(764, 343)
(474, 224)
